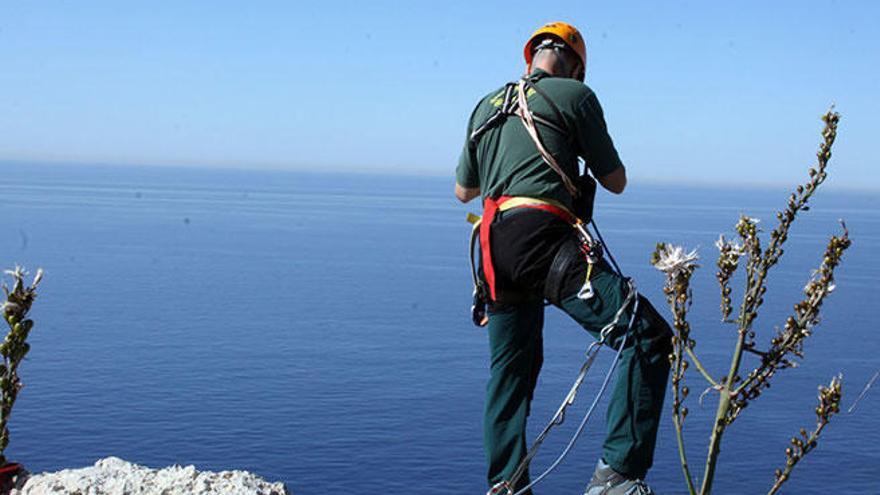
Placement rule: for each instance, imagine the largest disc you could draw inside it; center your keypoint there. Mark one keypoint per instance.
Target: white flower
(672, 260)
(814, 284)
(17, 273)
(723, 244)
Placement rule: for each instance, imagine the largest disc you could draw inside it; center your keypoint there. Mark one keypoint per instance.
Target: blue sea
(314, 328)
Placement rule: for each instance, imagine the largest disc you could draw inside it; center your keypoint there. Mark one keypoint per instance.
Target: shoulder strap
(528, 120)
(494, 120)
(530, 84)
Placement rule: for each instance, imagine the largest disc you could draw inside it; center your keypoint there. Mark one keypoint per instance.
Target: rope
(599, 395)
(559, 417)
(602, 240)
(528, 121)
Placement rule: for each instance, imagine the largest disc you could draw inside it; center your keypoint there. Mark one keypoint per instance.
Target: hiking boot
(607, 481)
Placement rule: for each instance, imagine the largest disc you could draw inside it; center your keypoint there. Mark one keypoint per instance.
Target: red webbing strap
(490, 208)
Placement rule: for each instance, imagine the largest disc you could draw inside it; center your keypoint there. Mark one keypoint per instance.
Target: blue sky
(693, 91)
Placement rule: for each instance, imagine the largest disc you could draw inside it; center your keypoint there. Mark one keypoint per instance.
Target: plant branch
(829, 404)
(701, 368)
(790, 340)
(758, 265)
(14, 347)
(682, 455)
(678, 267)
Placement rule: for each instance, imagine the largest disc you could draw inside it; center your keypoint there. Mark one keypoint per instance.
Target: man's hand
(615, 181)
(465, 194)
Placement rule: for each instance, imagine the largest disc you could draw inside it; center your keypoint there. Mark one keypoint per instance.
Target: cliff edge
(114, 476)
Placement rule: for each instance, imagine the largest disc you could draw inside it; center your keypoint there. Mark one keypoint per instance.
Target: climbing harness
(589, 249)
(515, 102)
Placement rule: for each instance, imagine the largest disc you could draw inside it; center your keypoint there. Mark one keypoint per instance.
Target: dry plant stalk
(15, 347)
(829, 405)
(734, 391)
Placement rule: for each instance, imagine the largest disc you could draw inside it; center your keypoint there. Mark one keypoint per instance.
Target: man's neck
(547, 71)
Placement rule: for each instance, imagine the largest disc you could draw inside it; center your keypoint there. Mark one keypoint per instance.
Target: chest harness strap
(516, 102)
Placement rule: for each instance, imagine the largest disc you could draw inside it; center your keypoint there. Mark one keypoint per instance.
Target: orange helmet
(566, 33)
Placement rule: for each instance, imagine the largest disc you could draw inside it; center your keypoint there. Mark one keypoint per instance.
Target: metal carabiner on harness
(591, 248)
(479, 313)
(500, 488)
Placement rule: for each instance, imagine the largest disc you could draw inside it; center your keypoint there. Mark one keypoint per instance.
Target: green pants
(516, 345)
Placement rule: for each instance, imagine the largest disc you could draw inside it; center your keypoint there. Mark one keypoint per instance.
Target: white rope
(864, 391)
(505, 487)
(528, 121)
(633, 296)
(559, 417)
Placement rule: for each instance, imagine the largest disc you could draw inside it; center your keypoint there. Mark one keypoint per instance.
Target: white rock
(114, 476)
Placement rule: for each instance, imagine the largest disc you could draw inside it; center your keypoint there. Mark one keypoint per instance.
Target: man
(505, 159)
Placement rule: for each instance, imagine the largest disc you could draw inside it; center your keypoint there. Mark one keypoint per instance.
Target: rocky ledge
(114, 476)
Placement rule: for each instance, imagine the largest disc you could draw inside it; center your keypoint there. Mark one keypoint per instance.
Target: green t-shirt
(507, 161)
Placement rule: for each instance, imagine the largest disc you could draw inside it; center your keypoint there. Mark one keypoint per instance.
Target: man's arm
(596, 145)
(467, 177)
(614, 181)
(465, 194)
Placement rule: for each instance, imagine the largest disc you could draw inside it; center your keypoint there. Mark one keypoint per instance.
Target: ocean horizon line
(635, 179)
